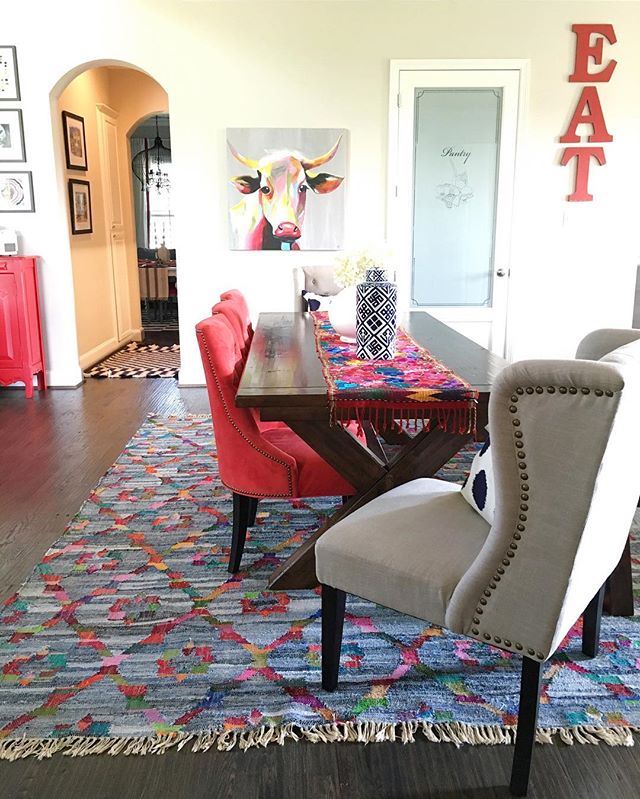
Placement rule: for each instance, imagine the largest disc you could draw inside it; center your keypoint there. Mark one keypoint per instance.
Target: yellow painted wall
(132, 95)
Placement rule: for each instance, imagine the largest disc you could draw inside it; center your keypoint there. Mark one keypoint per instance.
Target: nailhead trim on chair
(522, 516)
(238, 430)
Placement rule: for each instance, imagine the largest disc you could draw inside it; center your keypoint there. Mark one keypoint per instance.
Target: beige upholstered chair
(317, 279)
(564, 505)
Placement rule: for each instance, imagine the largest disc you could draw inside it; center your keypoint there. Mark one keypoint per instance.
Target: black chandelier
(149, 165)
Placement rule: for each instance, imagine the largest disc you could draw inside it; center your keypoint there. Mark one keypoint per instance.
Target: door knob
(501, 273)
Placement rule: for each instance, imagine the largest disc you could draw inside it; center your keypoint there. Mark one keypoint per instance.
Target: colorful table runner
(414, 385)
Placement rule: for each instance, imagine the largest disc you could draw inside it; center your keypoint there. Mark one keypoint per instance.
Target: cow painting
(271, 212)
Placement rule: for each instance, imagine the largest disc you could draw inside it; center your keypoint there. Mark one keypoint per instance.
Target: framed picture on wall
(11, 135)
(75, 142)
(16, 192)
(9, 84)
(286, 188)
(80, 206)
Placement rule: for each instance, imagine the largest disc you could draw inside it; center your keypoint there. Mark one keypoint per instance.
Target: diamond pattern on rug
(131, 636)
(139, 360)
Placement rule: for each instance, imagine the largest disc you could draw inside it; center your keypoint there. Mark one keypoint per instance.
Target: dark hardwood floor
(53, 450)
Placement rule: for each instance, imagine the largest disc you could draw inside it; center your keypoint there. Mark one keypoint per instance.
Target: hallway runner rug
(131, 637)
(139, 360)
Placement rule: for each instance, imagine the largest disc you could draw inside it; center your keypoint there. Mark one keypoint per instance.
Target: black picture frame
(16, 80)
(20, 150)
(74, 160)
(24, 188)
(80, 225)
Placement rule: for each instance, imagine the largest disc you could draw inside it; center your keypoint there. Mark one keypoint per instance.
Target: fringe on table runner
(456, 416)
(338, 732)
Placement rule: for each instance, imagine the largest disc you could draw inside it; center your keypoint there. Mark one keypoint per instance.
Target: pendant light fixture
(149, 165)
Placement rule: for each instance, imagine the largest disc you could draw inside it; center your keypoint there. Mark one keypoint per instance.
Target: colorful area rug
(130, 636)
(412, 387)
(139, 360)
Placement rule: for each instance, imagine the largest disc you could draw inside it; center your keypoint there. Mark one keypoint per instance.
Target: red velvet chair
(234, 306)
(254, 463)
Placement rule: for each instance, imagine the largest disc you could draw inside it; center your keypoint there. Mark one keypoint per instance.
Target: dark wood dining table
(283, 380)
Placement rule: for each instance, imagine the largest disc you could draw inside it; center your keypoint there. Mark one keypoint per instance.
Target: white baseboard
(64, 378)
(191, 378)
(107, 347)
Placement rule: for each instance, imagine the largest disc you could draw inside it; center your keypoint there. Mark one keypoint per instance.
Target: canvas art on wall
(286, 188)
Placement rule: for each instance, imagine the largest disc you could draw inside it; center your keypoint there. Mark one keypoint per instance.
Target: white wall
(325, 64)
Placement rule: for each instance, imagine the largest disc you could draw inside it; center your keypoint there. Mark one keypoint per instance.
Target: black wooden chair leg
(591, 619)
(253, 509)
(332, 620)
(527, 721)
(240, 520)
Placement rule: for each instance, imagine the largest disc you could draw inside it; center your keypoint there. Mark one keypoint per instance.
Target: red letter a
(588, 100)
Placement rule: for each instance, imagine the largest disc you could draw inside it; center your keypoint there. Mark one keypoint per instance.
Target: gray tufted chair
(564, 505)
(318, 279)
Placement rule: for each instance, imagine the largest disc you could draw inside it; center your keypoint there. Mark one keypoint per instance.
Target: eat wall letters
(588, 108)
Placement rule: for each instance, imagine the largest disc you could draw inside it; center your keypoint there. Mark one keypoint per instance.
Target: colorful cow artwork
(271, 213)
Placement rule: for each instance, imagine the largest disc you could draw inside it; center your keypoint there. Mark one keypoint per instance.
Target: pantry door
(451, 206)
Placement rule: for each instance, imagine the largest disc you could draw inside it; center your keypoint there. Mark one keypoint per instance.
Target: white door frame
(399, 210)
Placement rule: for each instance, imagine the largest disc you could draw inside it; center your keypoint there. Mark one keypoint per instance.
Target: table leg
(422, 457)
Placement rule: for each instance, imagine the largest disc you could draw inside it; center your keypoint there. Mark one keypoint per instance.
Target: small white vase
(342, 314)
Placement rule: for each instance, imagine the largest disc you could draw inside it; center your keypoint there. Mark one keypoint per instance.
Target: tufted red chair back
(249, 464)
(234, 306)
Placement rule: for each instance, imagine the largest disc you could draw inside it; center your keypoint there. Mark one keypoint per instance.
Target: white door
(450, 221)
(112, 193)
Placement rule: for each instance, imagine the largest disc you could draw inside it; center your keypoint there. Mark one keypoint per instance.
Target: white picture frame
(11, 136)
(9, 83)
(16, 192)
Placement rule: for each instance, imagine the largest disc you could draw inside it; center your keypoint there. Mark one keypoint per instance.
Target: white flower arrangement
(351, 268)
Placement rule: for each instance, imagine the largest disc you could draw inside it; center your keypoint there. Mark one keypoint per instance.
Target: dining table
(283, 381)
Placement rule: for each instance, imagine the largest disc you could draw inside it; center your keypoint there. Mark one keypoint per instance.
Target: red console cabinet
(21, 353)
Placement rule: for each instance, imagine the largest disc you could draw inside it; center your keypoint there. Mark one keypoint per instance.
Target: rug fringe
(339, 732)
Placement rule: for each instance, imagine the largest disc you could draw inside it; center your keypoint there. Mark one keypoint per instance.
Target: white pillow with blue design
(478, 488)
(315, 302)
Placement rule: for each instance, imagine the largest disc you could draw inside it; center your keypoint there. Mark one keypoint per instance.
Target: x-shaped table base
(370, 475)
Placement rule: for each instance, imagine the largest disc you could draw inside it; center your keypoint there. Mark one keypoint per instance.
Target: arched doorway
(98, 104)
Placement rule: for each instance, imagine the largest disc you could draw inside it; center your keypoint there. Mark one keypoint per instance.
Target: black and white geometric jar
(376, 311)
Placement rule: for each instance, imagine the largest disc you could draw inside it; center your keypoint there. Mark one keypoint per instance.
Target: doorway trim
(77, 364)
(395, 219)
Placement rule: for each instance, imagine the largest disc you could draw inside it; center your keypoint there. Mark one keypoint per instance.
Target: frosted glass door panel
(457, 135)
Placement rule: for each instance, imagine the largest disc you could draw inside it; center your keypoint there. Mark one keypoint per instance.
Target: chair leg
(591, 624)
(618, 597)
(332, 620)
(527, 720)
(253, 509)
(240, 520)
